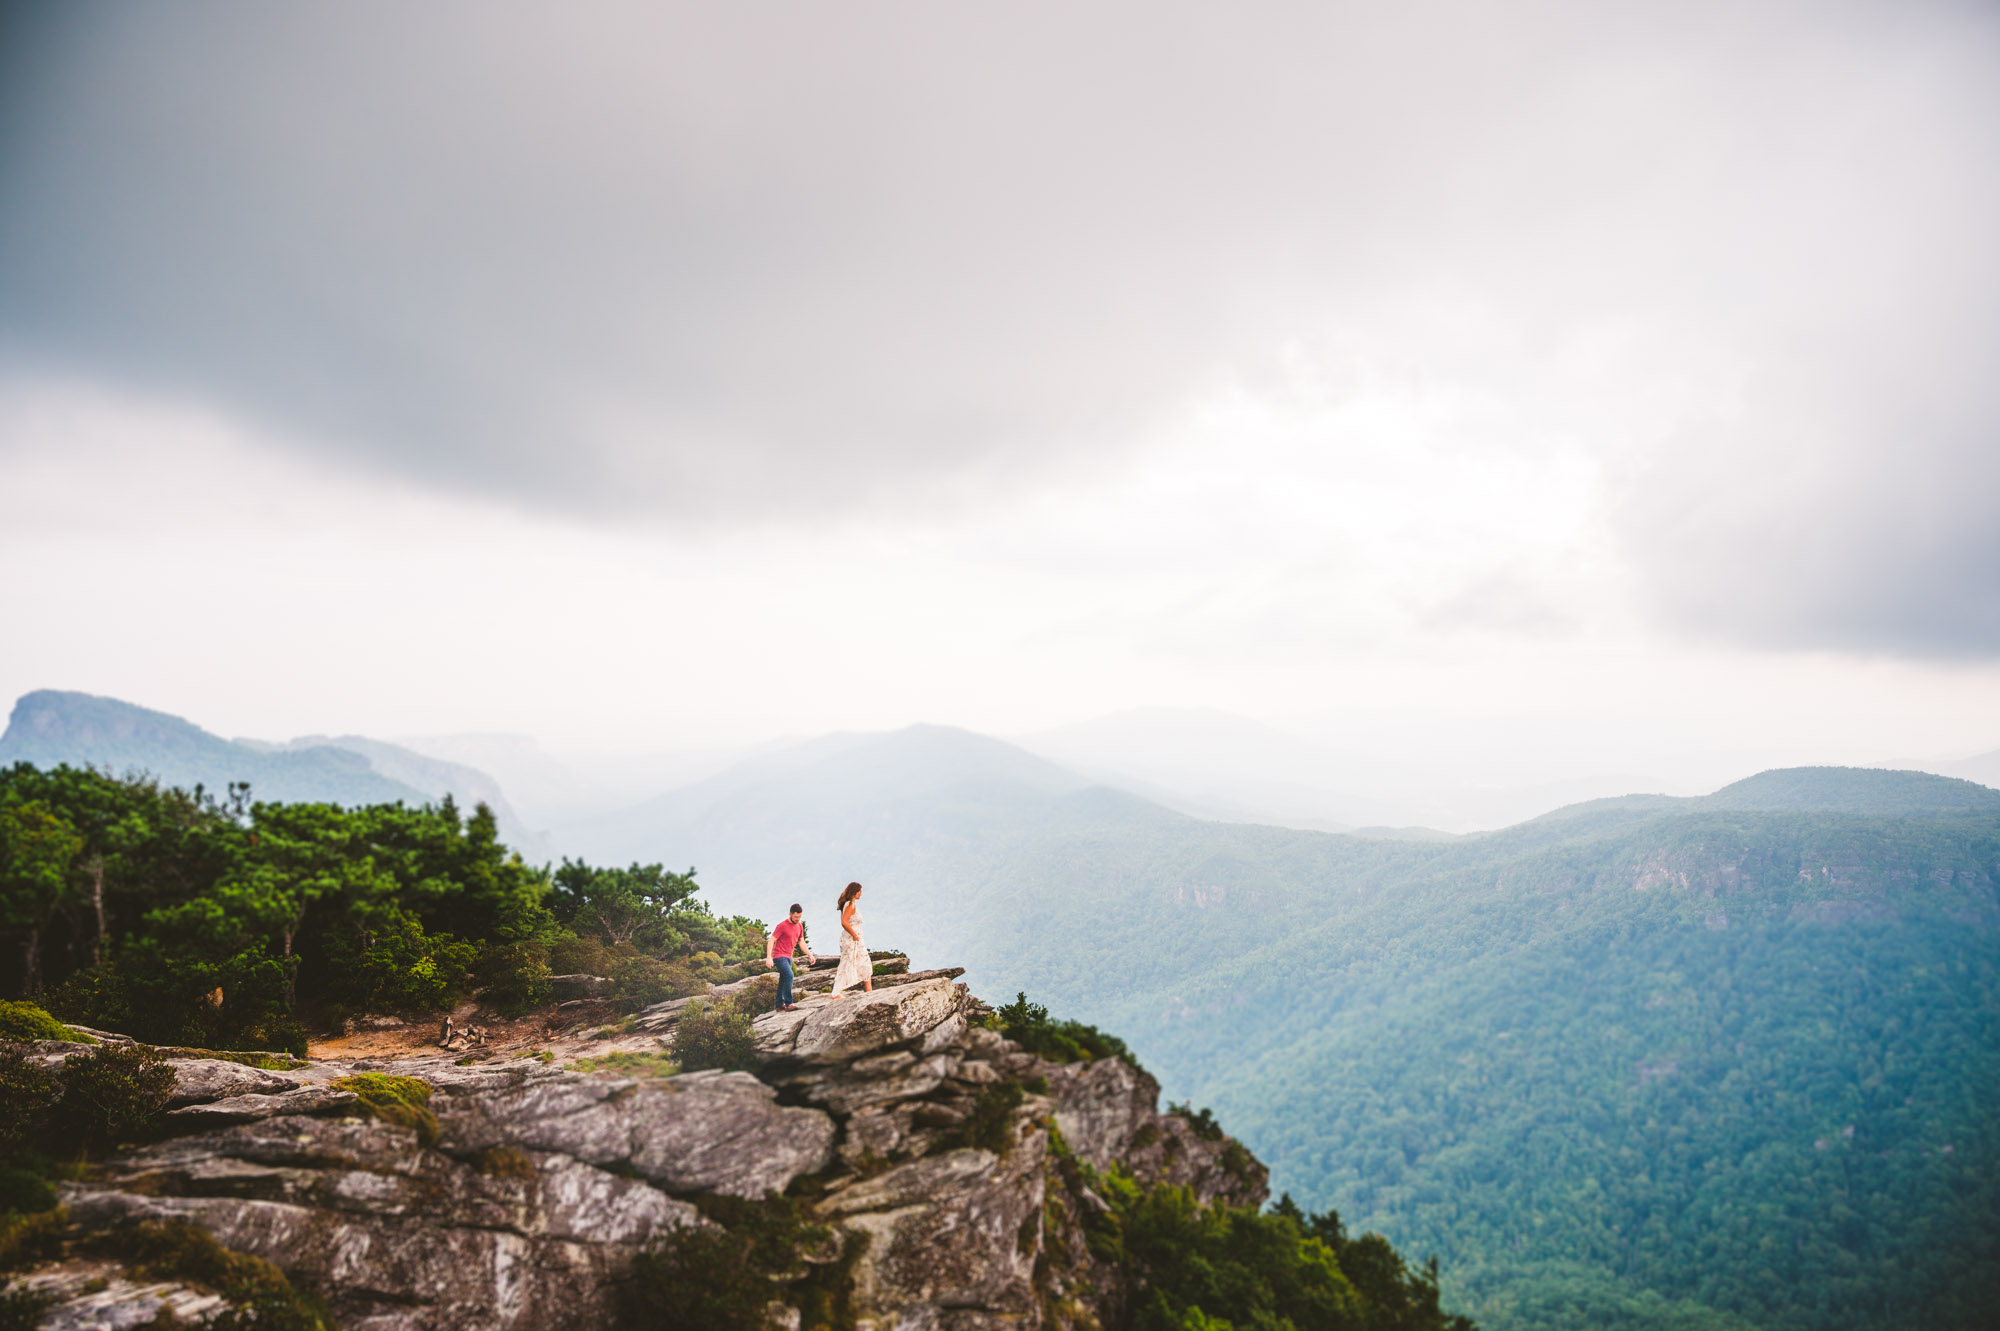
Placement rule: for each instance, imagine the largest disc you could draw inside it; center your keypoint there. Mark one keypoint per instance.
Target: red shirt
(785, 938)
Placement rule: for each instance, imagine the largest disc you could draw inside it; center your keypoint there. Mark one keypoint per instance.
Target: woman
(855, 967)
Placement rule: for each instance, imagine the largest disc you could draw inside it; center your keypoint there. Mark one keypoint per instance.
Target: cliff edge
(888, 1162)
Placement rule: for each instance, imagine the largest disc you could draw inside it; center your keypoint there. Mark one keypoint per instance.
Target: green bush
(25, 1021)
(723, 1276)
(114, 1091)
(1030, 1026)
(22, 1309)
(263, 1299)
(990, 1125)
(404, 1101)
(1201, 1120)
(28, 1090)
(715, 1033)
(513, 977)
(25, 1192)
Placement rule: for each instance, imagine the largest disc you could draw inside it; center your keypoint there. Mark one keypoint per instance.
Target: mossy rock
(404, 1101)
(26, 1021)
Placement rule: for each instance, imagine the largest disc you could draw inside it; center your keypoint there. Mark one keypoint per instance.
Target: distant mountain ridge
(52, 726)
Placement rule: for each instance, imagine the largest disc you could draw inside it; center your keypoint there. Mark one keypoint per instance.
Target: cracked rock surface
(544, 1184)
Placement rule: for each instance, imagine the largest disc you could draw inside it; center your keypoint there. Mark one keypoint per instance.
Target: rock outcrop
(944, 1159)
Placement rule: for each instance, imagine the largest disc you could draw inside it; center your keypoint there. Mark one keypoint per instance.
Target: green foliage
(990, 1125)
(26, 1021)
(716, 1033)
(230, 925)
(25, 1192)
(22, 1309)
(514, 977)
(27, 1092)
(404, 1101)
(643, 905)
(1030, 1026)
(261, 1296)
(1201, 1120)
(113, 1092)
(724, 1276)
(26, 1240)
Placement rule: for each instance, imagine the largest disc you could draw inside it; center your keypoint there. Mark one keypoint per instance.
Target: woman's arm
(847, 921)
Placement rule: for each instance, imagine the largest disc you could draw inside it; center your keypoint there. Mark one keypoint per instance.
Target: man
(785, 939)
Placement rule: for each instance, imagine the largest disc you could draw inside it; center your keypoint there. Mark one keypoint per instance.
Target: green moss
(26, 1021)
(629, 1064)
(249, 1058)
(404, 1101)
(504, 1162)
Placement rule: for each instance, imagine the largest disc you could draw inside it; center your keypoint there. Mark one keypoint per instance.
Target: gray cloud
(720, 263)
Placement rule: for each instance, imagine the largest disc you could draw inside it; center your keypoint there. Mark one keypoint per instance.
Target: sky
(1524, 391)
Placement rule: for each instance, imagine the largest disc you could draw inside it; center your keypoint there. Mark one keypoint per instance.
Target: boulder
(718, 1132)
(201, 1079)
(860, 1023)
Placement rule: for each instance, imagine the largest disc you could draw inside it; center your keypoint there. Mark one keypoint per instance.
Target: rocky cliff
(941, 1177)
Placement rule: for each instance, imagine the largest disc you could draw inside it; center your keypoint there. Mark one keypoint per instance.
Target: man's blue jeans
(784, 981)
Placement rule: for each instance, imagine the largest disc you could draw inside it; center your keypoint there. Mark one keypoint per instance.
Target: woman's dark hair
(847, 894)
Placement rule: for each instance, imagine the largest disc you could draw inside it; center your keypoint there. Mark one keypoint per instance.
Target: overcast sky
(1623, 375)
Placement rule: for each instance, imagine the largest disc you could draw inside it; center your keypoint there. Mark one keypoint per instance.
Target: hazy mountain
(1215, 765)
(437, 778)
(50, 726)
(1982, 767)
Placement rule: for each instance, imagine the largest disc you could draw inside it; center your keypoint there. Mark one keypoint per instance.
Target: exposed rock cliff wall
(946, 1162)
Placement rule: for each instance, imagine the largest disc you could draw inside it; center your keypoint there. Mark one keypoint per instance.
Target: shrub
(1201, 1120)
(715, 1033)
(990, 1125)
(27, 1092)
(404, 1101)
(25, 1193)
(1030, 1026)
(22, 1309)
(264, 1299)
(514, 977)
(31, 1239)
(114, 1091)
(723, 1276)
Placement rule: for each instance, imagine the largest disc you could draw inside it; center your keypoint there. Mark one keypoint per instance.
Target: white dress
(854, 964)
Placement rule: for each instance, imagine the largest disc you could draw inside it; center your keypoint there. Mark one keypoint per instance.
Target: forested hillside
(1603, 1063)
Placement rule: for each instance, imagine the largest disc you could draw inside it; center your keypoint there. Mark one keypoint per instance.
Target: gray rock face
(922, 1139)
(721, 1132)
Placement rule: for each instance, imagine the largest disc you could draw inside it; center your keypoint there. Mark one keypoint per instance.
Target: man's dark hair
(796, 909)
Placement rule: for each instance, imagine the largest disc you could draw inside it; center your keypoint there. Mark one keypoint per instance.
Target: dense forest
(1645, 1070)
(185, 919)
